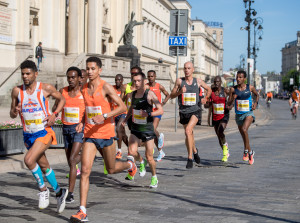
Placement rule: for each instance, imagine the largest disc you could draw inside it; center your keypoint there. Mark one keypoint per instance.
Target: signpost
(178, 40)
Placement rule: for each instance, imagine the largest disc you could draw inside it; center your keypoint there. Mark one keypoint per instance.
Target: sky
(281, 21)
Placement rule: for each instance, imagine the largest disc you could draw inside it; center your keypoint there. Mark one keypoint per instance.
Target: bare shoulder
(15, 91)
(48, 87)
(108, 88)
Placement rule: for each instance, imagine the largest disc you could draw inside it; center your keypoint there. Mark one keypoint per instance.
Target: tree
(293, 73)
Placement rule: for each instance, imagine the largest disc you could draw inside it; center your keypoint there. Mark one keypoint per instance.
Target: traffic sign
(177, 41)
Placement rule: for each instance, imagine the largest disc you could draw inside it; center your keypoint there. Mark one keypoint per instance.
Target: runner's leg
(190, 143)
(74, 158)
(149, 156)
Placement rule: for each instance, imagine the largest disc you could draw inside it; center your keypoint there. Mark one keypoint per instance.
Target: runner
(220, 114)
(294, 100)
(241, 95)
(31, 102)
(269, 96)
(187, 91)
(157, 89)
(72, 115)
(121, 134)
(99, 131)
(83, 78)
(142, 127)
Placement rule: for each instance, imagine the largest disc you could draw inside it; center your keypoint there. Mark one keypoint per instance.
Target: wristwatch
(105, 116)
(149, 114)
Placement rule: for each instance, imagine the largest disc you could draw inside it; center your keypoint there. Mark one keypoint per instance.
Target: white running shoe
(161, 155)
(161, 140)
(61, 200)
(44, 199)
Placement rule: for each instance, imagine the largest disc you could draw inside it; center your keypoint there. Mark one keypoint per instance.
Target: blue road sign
(177, 41)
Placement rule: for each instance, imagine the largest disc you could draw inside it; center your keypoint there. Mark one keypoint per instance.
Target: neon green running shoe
(128, 177)
(104, 169)
(143, 168)
(154, 182)
(225, 153)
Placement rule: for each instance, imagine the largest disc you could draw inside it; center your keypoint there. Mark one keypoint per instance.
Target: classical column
(94, 27)
(73, 26)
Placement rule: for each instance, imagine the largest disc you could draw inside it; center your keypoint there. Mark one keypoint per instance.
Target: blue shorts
(117, 119)
(240, 118)
(30, 138)
(159, 116)
(101, 143)
(71, 136)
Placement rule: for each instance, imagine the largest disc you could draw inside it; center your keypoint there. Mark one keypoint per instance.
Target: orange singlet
(74, 108)
(97, 105)
(296, 95)
(157, 92)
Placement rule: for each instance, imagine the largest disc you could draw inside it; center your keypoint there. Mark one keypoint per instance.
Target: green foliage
(293, 73)
(10, 125)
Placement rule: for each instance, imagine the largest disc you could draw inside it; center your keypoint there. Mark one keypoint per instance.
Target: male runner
(72, 115)
(157, 89)
(31, 102)
(241, 95)
(187, 91)
(220, 113)
(294, 99)
(142, 124)
(99, 131)
(83, 78)
(121, 134)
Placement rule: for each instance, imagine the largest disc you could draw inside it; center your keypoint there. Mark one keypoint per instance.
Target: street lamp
(257, 30)
(248, 19)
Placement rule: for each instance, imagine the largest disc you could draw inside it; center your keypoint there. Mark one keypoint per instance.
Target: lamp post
(257, 22)
(248, 19)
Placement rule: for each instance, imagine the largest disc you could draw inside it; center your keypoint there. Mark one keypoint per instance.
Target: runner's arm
(129, 111)
(111, 93)
(164, 91)
(231, 98)
(123, 88)
(176, 90)
(51, 91)
(15, 107)
(201, 83)
(56, 101)
(152, 99)
(253, 90)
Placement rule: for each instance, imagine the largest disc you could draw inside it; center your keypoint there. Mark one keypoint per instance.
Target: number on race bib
(243, 105)
(189, 99)
(218, 109)
(137, 118)
(93, 111)
(71, 115)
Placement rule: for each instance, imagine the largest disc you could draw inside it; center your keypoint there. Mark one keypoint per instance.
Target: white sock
(142, 161)
(154, 176)
(83, 209)
(119, 150)
(130, 163)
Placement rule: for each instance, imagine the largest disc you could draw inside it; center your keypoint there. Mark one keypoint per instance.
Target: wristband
(55, 113)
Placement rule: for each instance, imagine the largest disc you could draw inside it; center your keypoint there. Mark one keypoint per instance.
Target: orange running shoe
(119, 155)
(132, 171)
(246, 156)
(79, 217)
(251, 157)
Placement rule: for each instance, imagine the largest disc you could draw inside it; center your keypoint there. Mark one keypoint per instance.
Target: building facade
(291, 56)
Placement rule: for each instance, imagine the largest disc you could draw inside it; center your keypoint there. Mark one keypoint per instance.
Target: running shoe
(132, 171)
(154, 182)
(161, 140)
(143, 168)
(79, 217)
(189, 164)
(44, 199)
(104, 169)
(61, 200)
(70, 198)
(119, 155)
(161, 155)
(251, 157)
(225, 153)
(78, 170)
(245, 156)
(197, 157)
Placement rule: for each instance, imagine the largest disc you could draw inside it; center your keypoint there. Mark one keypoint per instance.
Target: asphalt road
(268, 191)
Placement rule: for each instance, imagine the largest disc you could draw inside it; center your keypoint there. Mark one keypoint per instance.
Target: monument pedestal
(129, 51)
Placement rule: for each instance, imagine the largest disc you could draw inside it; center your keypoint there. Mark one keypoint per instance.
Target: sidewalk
(166, 126)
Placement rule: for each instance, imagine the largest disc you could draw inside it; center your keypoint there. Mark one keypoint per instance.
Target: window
(192, 44)
(193, 27)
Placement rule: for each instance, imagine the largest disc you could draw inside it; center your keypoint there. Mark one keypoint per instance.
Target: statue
(128, 31)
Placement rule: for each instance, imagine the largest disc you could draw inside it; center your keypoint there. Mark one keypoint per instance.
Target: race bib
(218, 109)
(71, 115)
(33, 122)
(189, 99)
(92, 111)
(243, 105)
(137, 118)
